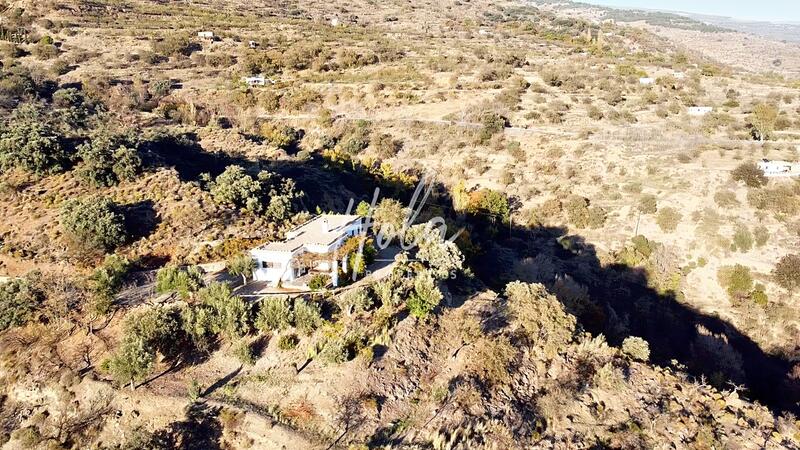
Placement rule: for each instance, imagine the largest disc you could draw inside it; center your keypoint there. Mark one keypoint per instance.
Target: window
(270, 265)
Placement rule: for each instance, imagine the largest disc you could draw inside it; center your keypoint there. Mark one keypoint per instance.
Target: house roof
(313, 232)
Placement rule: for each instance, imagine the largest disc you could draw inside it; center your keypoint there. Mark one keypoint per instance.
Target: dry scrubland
(627, 278)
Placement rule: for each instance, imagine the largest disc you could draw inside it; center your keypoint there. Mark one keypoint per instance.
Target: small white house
(678, 75)
(699, 110)
(322, 236)
(206, 35)
(257, 80)
(252, 44)
(779, 168)
(647, 81)
(335, 22)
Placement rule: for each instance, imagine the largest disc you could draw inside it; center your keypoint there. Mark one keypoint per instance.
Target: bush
(219, 312)
(241, 265)
(425, 297)
(726, 199)
(787, 272)
(648, 204)
(108, 159)
(184, 282)
(106, 281)
(581, 215)
(307, 315)
(750, 174)
(275, 314)
(18, 301)
(668, 219)
(29, 142)
(636, 348)
(319, 281)
(742, 239)
(354, 301)
(736, 280)
(491, 124)
(94, 224)
(288, 342)
(540, 315)
(762, 121)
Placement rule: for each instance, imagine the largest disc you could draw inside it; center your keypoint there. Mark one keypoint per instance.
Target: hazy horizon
(766, 10)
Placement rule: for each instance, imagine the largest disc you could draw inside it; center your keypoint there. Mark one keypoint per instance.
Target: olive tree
(94, 223)
(762, 121)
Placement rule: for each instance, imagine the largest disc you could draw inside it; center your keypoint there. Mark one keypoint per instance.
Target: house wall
(283, 270)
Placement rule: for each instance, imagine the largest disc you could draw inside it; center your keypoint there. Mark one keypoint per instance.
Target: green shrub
(184, 282)
(307, 315)
(726, 199)
(94, 224)
(288, 342)
(540, 315)
(668, 219)
(491, 124)
(19, 299)
(742, 239)
(106, 281)
(787, 272)
(275, 314)
(425, 297)
(30, 142)
(219, 312)
(636, 348)
(319, 281)
(244, 353)
(736, 280)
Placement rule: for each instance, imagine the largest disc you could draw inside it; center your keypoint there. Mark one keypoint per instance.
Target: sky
(770, 10)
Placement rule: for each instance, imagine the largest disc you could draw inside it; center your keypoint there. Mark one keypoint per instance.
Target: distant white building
(699, 110)
(647, 81)
(779, 168)
(280, 262)
(335, 22)
(252, 44)
(678, 75)
(257, 80)
(205, 35)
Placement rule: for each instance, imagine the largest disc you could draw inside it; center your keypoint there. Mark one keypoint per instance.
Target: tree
(275, 314)
(109, 158)
(787, 272)
(426, 295)
(145, 334)
(241, 265)
(354, 301)
(19, 299)
(106, 281)
(236, 188)
(94, 224)
(762, 121)
(750, 174)
(307, 315)
(29, 141)
(173, 278)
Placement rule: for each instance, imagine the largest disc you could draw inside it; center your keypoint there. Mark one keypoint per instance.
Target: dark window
(269, 265)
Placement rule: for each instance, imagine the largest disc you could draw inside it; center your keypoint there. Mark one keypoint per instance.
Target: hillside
(621, 273)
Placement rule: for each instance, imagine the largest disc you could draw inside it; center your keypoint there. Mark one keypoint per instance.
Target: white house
(205, 35)
(779, 168)
(678, 75)
(280, 262)
(252, 44)
(699, 110)
(257, 80)
(647, 80)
